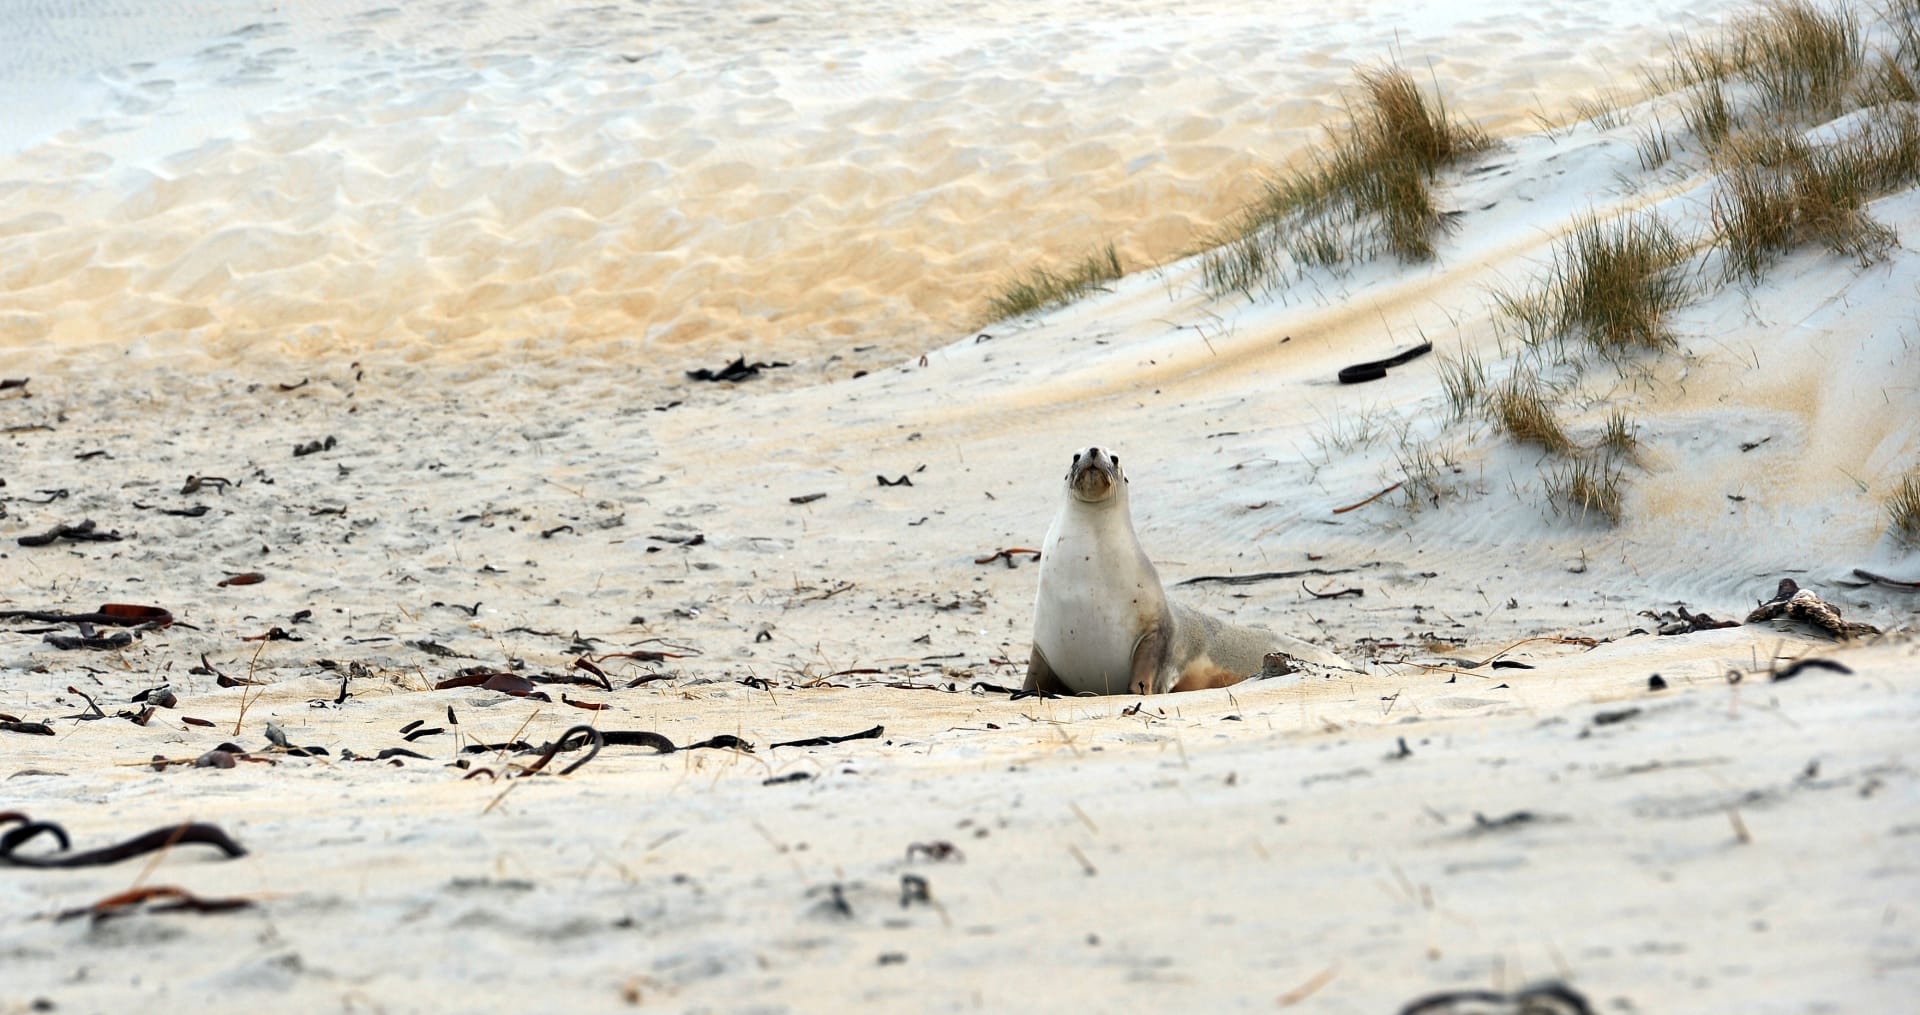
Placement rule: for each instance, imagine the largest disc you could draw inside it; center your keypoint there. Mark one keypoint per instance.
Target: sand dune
(670, 181)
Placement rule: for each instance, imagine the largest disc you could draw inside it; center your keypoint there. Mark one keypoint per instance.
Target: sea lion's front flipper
(1040, 676)
(1148, 653)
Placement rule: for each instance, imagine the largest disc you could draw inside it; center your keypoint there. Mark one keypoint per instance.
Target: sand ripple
(674, 180)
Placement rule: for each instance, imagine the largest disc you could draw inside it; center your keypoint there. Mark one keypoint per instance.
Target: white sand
(487, 244)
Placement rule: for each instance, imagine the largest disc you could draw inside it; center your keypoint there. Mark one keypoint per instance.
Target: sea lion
(1102, 623)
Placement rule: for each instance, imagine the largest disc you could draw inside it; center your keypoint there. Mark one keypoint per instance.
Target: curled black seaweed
(140, 845)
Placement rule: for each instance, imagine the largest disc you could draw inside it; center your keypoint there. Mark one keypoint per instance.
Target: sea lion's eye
(1116, 461)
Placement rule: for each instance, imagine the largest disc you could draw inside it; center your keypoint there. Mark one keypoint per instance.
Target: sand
(469, 251)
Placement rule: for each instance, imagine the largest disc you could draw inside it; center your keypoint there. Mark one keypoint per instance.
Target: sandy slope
(1731, 845)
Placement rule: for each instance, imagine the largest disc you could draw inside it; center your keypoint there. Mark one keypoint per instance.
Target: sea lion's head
(1095, 477)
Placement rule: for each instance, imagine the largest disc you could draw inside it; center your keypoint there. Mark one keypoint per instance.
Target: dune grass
(1779, 192)
(1425, 466)
(1464, 379)
(1043, 289)
(1369, 190)
(1618, 440)
(1519, 409)
(1611, 283)
(1588, 488)
(1903, 508)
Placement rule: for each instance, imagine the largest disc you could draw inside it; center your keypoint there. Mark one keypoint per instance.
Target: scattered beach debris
(242, 578)
(806, 498)
(904, 480)
(1880, 579)
(1356, 592)
(1794, 603)
(1800, 666)
(1656, 683)
(1617, 715)
(187, 512)
(1267, 576)
(1008, 555)
(145, 618)
(939, 851)
(14, 724)
(494, 680)
(88, 638)
(1512, 819)
(1551, 998)
(16, 383)
(1680, 621)
(1357, 505)
(82, 532)
(871, 734)
(171, 898)
(915, 888)
(192, 832)
(314, 447)
(1374, 370)
(195, 484)
(734, 372)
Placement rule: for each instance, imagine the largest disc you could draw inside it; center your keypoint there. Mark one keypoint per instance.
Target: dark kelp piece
(1373, 370)
(734, 372)
(1802, 665)
(83, 532)
(87, 639)
(1880, 579)
(108, 615)
(871, 734)
(140, 845)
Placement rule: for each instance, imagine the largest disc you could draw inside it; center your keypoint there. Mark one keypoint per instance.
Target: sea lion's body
(1102, 622)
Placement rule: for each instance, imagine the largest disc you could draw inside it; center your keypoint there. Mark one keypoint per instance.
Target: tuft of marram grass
(1800, 57)
(1654, 147)
(1424, 468)
(1043, 289)
(1371, 188)
(1618, 282)
(1465, 382)
(1612, 284)
(1587, 488)
(1903, 508)
(1520, 410)
(1618, 439)
(1778, 192)
(1792, 60)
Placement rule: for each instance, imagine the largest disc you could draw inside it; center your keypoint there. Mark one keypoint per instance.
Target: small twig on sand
(244, 700)
(1357, 506)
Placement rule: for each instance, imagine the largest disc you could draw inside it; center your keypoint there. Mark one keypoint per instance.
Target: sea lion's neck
(1107, 522)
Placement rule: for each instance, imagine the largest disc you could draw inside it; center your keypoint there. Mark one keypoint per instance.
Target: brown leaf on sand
(505, 683)
(243, 578)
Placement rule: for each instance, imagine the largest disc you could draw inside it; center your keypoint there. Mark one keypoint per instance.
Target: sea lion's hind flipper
(1040, 676)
